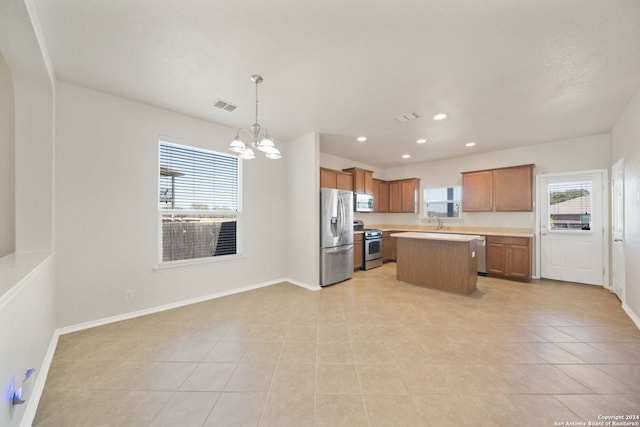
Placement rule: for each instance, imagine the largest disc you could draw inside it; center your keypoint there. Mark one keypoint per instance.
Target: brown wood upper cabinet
(403, 195)
(507, 189)
(330, 178)
(380, 195)
(362, 180)
(513, 188)
(399, 196)
(477, 191)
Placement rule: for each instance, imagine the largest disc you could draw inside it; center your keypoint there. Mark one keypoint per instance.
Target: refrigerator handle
(339, 249)
(332, 212)
(335, 226)
(339, 213)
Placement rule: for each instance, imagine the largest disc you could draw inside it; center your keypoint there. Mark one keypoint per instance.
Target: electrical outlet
(128, 295)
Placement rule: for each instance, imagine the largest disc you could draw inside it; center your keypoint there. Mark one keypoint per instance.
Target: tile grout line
(365, 312)
(315, 386)
(275, 373)
(362, 396)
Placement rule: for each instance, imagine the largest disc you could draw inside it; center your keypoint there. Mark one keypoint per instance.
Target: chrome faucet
(438, 219)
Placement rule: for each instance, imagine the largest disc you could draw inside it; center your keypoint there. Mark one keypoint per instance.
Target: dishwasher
(481, 254)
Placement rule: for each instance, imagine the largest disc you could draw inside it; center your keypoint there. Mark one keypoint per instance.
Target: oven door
(372, 249)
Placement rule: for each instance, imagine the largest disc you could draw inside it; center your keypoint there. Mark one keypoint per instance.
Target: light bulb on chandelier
(259, 140)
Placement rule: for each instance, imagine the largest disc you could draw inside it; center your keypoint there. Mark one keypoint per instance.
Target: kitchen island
(443, 261)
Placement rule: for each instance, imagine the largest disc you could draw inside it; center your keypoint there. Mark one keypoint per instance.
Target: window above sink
(442, 202)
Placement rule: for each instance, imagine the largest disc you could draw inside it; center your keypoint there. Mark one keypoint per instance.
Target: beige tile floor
(368, 352)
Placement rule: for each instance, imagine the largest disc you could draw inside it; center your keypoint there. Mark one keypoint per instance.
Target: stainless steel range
(372, 253)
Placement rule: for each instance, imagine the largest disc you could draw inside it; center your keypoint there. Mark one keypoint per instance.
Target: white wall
(591, 152)
(27, 278)
(106, 209)
(34, 166)
(27, 316)
(303, 233)
(625, 139)
(7, 154)
(34, 117)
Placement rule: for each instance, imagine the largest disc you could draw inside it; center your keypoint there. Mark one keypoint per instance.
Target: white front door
(572, 227)
(617, 229)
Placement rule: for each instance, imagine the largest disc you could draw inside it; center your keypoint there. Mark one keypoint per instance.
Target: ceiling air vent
(224, 105)
(407, 117)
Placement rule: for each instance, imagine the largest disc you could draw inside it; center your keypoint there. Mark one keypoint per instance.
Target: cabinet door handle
(617, 240)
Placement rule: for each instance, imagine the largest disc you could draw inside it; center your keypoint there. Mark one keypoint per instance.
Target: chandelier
(258, 139)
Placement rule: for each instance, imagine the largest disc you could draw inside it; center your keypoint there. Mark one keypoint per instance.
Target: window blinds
(198, 203)
(192, 179)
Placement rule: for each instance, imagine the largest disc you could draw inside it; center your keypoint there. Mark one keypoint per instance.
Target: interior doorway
(572, 226)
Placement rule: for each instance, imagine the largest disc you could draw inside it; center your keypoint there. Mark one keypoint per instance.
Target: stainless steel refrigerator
(336, 235)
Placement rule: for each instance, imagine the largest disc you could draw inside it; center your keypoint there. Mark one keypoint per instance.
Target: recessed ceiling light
(470, 144)
(405, 156)
(362, 138)
(421, 141)
(440, 116)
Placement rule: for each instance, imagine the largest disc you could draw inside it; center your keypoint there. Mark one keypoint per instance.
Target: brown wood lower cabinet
(509, 257)
(386, 246)
(448, 264)
(393, 241)
(357, 251)
(389, 246)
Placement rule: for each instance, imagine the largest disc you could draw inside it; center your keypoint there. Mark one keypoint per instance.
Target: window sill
(448, 218)
(178, 265)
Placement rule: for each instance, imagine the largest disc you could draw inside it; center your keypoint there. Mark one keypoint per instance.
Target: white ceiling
(507, 72)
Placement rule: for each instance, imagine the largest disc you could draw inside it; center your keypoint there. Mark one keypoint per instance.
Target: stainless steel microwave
(363, 202)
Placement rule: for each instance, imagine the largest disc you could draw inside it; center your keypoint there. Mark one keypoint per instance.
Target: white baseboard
(38, 387)
(634, 317)
(32, 404)
(302, 285)
(157, 309)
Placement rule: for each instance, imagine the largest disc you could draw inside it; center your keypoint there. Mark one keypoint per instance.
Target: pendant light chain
(256, 102)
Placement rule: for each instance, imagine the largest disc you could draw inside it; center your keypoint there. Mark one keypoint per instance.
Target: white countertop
(436, 236)
(478, 231)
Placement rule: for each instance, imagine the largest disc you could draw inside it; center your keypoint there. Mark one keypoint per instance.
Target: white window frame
(427, 201)
(167, 265)
(552, 209)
